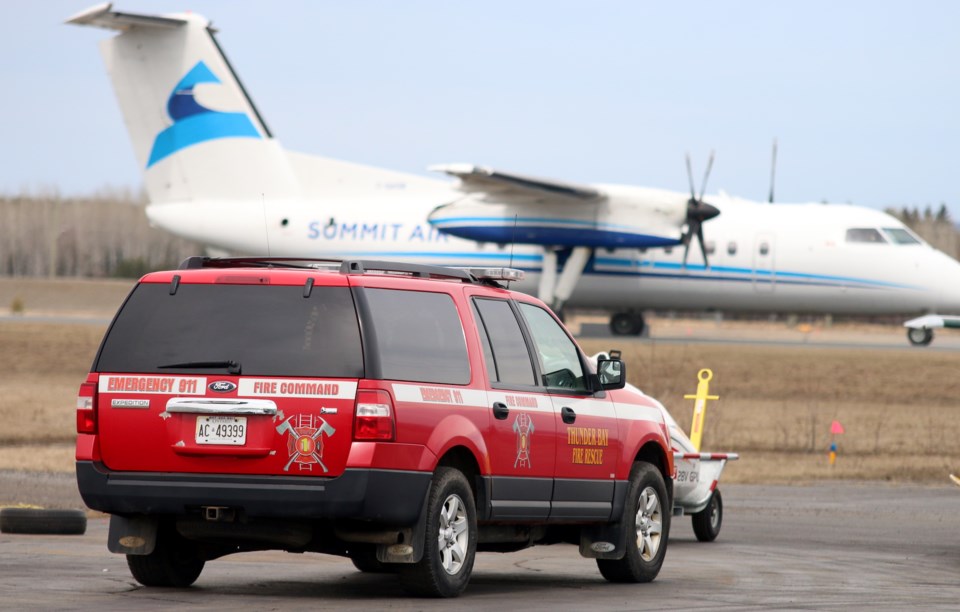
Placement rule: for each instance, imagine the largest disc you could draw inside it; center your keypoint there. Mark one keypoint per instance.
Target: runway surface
(827, 546)
(760, 334)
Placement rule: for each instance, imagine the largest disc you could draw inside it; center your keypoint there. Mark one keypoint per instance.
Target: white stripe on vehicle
(297, 387)
(433, 394)
(166, 385)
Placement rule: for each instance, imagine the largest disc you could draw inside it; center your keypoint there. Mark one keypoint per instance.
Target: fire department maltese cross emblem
(305, 440)
(523, 425)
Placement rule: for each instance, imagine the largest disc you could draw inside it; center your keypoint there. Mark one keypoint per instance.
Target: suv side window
(504, 349)
(417, 336)
(559, 358)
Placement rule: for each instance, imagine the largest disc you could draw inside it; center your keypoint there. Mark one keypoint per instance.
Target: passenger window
(711, 247)
(731, 248)
(559, 358)
(418, 336)
(506, 354)
(865, 235)
(764, 248)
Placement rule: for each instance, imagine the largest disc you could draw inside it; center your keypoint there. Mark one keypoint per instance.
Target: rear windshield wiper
(233, 367)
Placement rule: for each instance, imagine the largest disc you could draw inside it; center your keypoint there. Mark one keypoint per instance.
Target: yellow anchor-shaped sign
(700, 407)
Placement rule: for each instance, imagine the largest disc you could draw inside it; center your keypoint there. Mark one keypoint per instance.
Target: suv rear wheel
(174, 562)
(365, 559)
(451, 539)
(647, 526)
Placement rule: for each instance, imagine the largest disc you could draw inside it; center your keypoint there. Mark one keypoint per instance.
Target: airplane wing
(506, 185)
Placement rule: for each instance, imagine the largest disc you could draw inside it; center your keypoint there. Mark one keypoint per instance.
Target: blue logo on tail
(193, 123)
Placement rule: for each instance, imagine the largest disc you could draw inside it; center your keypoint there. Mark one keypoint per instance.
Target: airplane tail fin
(195, 131)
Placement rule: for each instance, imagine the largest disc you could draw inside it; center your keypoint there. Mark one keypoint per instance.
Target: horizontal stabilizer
(102, 17)
(480, 178)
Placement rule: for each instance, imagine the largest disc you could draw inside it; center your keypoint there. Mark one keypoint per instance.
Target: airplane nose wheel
(920, 336)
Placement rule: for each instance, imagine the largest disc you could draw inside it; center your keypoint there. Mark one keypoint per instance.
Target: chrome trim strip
(221, 406)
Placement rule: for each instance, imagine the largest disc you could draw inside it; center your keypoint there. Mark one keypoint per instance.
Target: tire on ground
(174, 562)
(626, 324)
(42, 521)
(707, 522)
(364, 558)
(450, 539)
(919, 336)
(646, 519)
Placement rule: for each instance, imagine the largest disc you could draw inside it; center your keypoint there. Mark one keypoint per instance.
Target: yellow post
(700, 407)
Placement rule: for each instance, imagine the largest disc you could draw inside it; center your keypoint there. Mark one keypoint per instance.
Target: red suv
(403, 416)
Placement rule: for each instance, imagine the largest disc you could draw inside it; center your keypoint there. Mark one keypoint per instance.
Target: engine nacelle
(624, 218)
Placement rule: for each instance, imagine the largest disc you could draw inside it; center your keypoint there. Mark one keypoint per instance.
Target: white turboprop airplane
(215, 174)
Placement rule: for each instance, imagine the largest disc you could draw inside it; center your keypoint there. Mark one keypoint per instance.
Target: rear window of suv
(270, 330)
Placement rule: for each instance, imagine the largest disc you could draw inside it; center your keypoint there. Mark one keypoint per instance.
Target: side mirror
(612, 373)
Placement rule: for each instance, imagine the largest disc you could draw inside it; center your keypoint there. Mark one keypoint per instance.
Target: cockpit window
(865, 235)
(900, 236)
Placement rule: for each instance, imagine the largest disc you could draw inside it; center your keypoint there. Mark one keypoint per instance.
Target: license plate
(222, 430)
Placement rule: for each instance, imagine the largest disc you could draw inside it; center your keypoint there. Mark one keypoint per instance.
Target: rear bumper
(386, 496)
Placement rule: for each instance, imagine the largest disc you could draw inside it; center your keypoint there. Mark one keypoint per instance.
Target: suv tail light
(87, 408)
(373, 416)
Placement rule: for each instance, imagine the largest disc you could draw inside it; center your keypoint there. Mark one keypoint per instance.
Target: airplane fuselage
(214, 173)
(782, 258)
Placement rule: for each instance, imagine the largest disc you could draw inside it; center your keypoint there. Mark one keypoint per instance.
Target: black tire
(450, 540)
(174, 562)
(41, 521)
(646, 513)
(626, 324)
(919, 336)
(707, 522)
(365, 560)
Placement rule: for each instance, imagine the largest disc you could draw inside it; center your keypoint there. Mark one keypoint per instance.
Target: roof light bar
(497, 274)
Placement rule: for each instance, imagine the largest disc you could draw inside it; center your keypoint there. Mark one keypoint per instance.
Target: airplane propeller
(698, 211)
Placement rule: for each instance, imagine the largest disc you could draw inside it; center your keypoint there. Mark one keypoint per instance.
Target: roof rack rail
(198, 261)
(489, 276)
(361, 266)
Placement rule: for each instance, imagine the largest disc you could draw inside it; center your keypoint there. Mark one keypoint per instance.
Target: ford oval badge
(221, 386)
(602, 547)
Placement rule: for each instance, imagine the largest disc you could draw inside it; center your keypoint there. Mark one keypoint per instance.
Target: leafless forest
(103, 235)
(107, 235)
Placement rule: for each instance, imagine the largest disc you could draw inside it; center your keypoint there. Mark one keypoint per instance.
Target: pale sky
(862, 96)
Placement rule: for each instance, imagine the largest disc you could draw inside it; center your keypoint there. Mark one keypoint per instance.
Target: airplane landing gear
(919, 336)
(627, 324)
(556, 291)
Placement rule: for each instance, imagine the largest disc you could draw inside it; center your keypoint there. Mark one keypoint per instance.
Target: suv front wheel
(451, 539)
(647, 521)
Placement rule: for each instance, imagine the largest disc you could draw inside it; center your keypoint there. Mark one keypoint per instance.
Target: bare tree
(103, 235)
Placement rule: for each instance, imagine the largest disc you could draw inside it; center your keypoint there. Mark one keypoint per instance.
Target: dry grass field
(899, 408)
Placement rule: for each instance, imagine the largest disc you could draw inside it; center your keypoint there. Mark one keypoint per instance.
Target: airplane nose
(950, 300)
(949, 286)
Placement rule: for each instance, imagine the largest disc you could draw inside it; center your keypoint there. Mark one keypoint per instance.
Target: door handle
(568, 415)
(500, 411)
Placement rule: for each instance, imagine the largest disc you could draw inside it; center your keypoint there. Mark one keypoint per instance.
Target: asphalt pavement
(828, 546)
